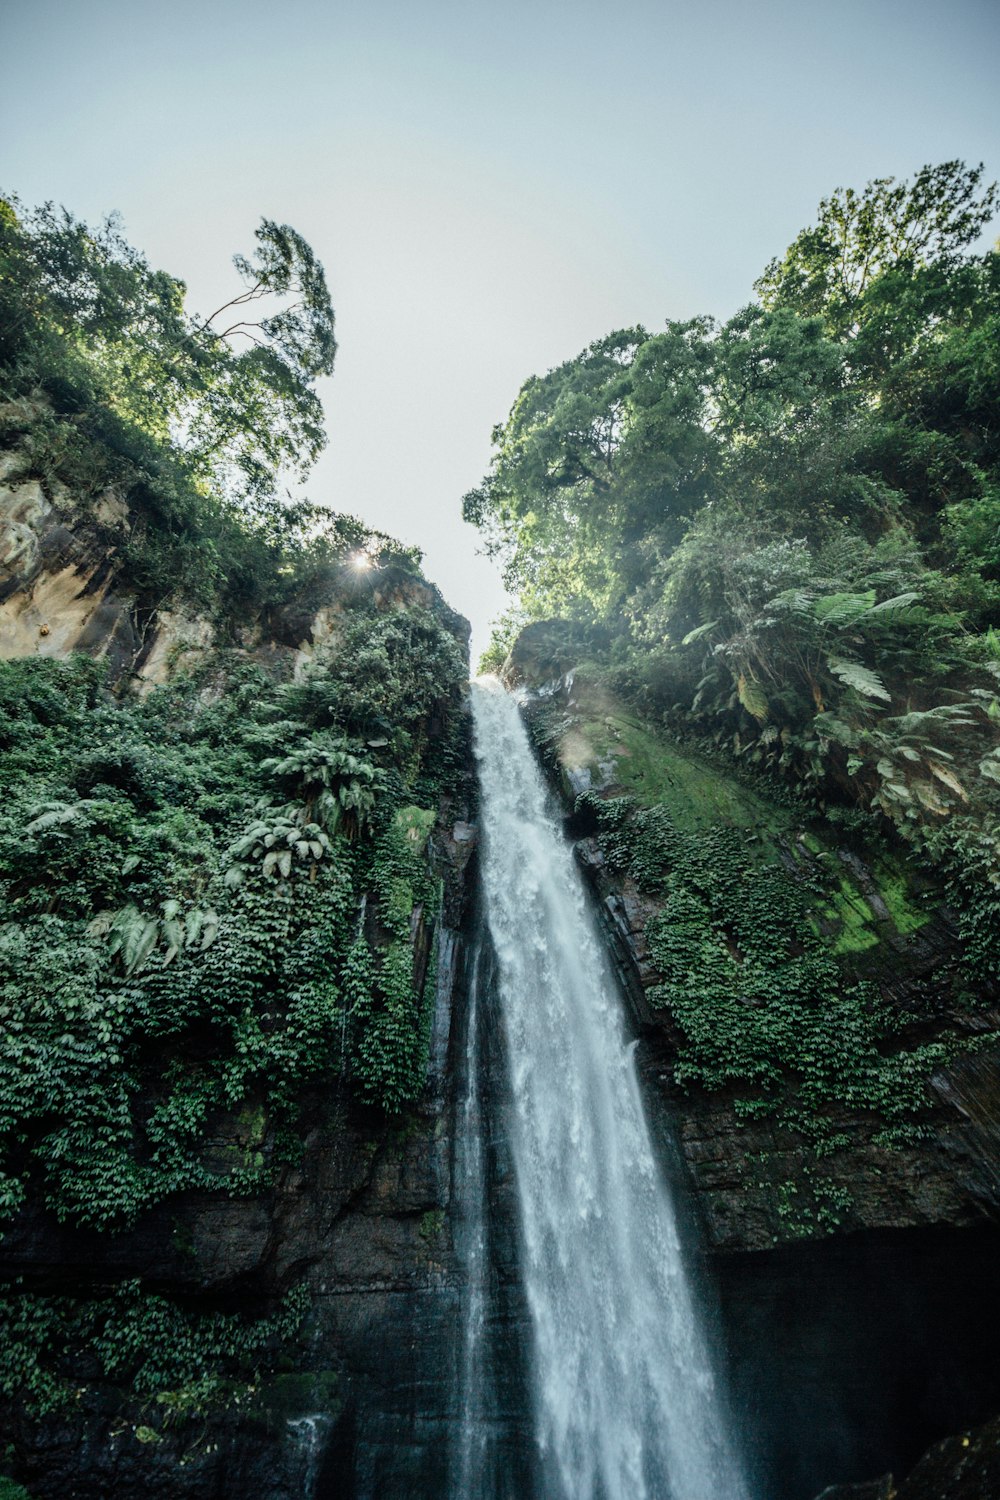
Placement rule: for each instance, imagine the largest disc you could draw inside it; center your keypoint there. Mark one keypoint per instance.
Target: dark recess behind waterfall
(850, 1356)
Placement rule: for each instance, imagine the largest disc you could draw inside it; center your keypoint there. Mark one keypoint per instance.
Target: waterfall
(308, 1436)
(626, 1405)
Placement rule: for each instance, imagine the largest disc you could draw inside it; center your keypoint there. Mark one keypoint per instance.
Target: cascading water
(626, 1406)
(308, 1435)
(472, 1190)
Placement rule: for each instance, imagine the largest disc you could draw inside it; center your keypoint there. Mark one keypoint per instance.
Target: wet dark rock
(964, 1467)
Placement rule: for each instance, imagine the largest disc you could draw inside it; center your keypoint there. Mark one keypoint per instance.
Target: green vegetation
(774, 541)
(781, 532)
(762, 999)
(181, 935)
(183, 1362)
(218, 903)
(108, 387)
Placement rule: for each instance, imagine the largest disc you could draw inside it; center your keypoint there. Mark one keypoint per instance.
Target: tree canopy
(785, 528)
(85, 317)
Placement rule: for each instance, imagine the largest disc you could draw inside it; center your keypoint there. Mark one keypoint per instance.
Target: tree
(88, 319)
(593, 456)
(830, 266)
(302, 332)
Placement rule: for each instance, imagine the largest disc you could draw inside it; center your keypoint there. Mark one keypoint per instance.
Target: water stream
(626, 1405)
(308, 1437)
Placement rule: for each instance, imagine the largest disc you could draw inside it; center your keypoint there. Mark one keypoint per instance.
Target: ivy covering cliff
(219, 898)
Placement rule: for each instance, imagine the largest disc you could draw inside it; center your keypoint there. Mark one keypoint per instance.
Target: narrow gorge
(577, 1083)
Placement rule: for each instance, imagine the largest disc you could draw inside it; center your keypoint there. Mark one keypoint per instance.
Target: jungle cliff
(234, 867)
(757, 619)
(233, 852)
(823, 1067)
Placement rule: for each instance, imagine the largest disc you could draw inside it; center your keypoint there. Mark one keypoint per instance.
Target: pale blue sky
(490, 187)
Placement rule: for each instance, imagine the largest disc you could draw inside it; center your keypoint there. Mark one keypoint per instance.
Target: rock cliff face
(855, 1336)
(60, 572)
(963, 1467)
(363, 1222)
(885, 1320)
(66, 585)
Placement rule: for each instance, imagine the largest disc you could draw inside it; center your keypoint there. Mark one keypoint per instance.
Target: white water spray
(308, 1436)
(626, 1403)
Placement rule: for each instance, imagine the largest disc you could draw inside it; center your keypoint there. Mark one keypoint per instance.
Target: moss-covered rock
(796, 979)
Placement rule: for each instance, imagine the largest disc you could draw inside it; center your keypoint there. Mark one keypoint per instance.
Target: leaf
(751, 695)
(139, 941)
(173, 934)
(285, 862)
(129, 863)
(692, 635)
(52, 819)
(862, 679)
(949, 778)
(897, 605)
(843, 609)
(927, 794)
(836, 729)
(798, 601)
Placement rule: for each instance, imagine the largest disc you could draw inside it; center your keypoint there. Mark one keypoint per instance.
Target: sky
(489, 186)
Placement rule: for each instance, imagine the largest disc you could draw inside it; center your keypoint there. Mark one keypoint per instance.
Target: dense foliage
(218, 902)
(760, 995)
(783, 531)
(109, 386)
(768, 551)
(183, 886)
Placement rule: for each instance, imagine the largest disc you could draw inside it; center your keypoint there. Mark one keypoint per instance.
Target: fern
(897, 610)
(843, 609)
(751, 695)
(698, 632)
(862, 679)
(134, 935)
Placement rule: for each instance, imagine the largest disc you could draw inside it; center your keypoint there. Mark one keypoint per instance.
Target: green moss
(860, 928)
(11, 1490)
(847, 906)
(252, 1120)
(896, 891)
(659, 774)
(431, 1225)
(415, 823)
